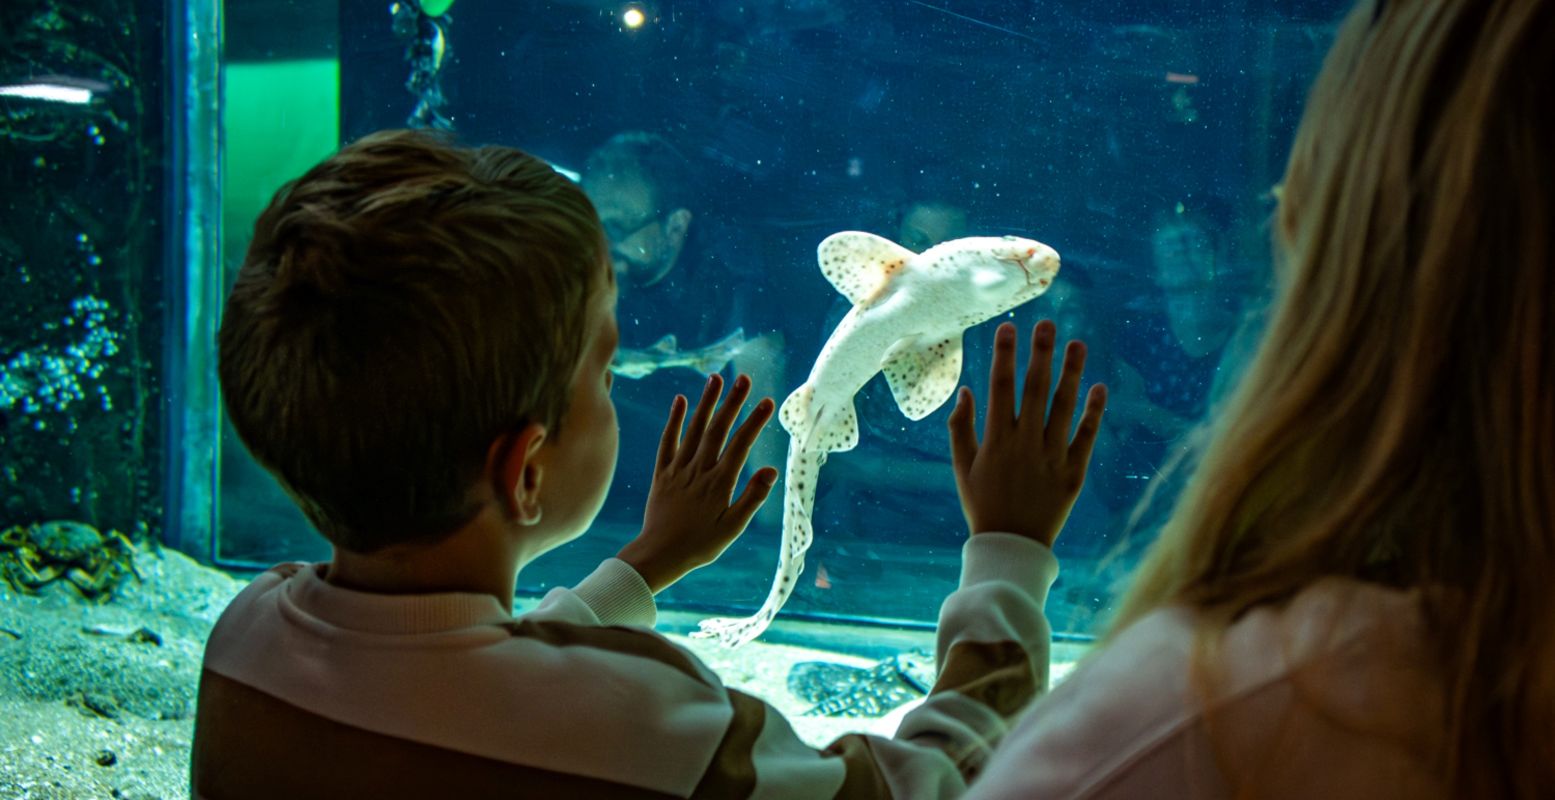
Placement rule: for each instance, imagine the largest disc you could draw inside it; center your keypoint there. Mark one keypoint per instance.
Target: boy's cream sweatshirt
(311, 690)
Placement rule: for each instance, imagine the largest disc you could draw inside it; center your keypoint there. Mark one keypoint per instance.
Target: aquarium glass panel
(723, 142)
(82, 258)
(279, 116)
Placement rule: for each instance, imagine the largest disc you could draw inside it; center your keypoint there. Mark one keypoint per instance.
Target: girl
(1352, 597)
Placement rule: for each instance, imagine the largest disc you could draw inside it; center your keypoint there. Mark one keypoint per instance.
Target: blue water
(1140, 139)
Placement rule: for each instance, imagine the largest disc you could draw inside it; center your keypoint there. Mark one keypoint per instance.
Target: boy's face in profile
(580, 463)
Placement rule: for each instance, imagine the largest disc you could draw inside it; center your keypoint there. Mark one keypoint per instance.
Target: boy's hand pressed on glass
(1025, 475)
(690, 518)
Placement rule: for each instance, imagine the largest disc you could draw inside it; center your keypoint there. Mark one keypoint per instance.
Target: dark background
(82, 189)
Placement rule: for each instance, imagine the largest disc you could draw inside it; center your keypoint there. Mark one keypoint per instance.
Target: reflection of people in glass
(1190, 271)
(1172, 358)
(683, 272)
(641, 186)
(1178, 356)
(928, 222)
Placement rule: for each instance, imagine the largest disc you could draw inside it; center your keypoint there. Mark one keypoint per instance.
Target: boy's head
(408, 308)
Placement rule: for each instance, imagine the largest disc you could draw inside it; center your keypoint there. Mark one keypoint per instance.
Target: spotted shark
(909, 313)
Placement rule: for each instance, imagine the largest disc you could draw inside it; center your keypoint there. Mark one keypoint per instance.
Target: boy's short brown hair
(403, 304)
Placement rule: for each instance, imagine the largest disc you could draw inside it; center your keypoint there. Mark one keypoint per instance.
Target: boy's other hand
(1025, 475)
(690, 518)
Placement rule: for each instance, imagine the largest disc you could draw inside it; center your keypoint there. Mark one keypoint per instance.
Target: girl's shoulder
(1336, 676)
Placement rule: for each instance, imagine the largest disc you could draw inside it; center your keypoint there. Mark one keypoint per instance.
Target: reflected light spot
(633, 17)
(52, 92)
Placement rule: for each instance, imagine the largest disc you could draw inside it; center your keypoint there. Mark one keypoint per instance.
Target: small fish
(909, 313)
(822, 580)
(664, 354)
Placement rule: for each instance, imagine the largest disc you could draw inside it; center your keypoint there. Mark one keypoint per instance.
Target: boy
(418, 347)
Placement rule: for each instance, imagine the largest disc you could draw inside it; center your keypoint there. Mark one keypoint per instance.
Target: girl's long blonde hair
(1398, 422)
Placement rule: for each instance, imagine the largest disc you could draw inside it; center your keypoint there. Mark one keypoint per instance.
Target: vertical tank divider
(194, 275)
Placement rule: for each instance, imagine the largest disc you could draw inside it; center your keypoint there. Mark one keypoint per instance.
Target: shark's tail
(819, 425)
(798, 501)
(816, 427)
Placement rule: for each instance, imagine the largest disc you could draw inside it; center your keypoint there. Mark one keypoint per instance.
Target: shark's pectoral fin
(816, 427)
(794, 414)
(924, 376)
(859, 264)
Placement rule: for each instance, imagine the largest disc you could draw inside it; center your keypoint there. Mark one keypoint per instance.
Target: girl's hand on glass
(1026, 473)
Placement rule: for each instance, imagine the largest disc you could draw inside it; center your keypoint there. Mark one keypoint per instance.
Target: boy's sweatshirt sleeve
(615, 594)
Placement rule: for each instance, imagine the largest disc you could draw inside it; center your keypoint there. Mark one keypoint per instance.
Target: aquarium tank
(721, 143)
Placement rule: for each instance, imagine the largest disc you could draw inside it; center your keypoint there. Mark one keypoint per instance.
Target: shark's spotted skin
(909, 313)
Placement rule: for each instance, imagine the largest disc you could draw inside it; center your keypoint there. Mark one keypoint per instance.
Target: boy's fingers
(1039, 374)
(1064, 397)
(756, 491)
(669, 440)
(688, 445)
(1001, 383)
(744, 439)
(963, 432)
(718, 430)
(1090, 426)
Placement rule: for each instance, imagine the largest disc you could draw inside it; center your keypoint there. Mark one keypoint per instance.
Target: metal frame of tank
(192, 405)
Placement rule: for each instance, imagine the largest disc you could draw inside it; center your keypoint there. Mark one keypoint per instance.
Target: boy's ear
(515, 472)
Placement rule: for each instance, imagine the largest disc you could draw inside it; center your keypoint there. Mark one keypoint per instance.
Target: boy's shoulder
(449, 679)
(289, 610)
(244, 602)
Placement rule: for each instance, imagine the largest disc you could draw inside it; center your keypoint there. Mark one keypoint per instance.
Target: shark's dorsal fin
(665, 345)
(923, 375)
(859, 264)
